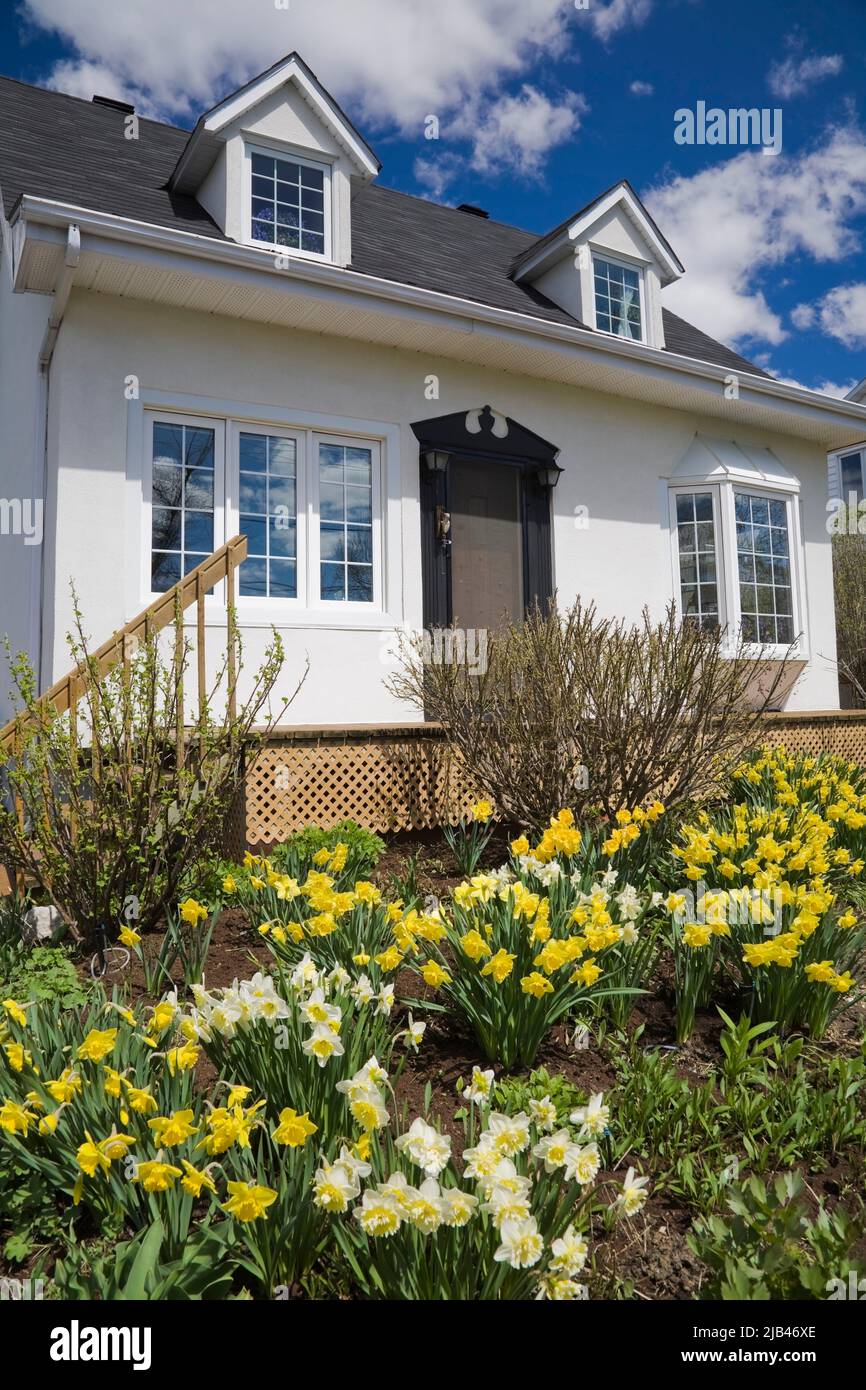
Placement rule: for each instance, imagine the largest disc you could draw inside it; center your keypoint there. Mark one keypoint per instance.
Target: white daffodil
(354, 1165)
(425, 1209)
(561, 1290)
(323, 1044)
(628, 902)
(548, 873)
(368, 1109)
(482, 1161)
(338, 979)
(316, 1010)
(362, 990)
(630, 934)
(426, 1147)
(505, 1206)
(334, 1187)
(385, 1000)
(378, 1215)
(634, 1193)
(414, 1034)
(521, 1245)
(554, 1149)
(479, 1088)
(371, 1073)
(399, 1189)
(582, 1164)
(543, 1113)
(505, 1177)
(458, 1207)
(510, 1133)
(568, 1253)
(593, 1118)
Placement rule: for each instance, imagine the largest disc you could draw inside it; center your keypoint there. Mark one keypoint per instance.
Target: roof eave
(38, 214)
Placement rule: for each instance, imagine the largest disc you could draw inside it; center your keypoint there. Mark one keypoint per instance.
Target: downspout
(62, 291)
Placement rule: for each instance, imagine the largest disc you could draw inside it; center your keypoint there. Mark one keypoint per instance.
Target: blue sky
(540, 107)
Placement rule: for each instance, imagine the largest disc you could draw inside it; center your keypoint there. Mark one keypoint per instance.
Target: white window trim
(384, 614)
(724, 520)
(152, 417)
(598, 253)
(276, 150)
(837, 456)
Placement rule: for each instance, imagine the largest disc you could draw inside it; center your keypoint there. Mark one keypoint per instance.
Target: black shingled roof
(74, 151)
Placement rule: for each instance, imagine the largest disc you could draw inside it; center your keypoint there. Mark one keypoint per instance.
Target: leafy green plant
(141, 1269)
(46, 972)
(770, 1246)
(295, 855)
(514, 1093)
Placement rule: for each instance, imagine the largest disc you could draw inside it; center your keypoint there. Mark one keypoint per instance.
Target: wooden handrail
(168, 608)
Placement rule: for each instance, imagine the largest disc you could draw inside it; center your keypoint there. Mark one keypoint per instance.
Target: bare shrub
(591, 713)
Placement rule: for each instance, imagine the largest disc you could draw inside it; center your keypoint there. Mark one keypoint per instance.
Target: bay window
(735, 561)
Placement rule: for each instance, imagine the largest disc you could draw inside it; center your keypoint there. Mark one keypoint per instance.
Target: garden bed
(739, 1138)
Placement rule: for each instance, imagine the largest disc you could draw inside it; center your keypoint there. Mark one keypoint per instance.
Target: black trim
(502, 440)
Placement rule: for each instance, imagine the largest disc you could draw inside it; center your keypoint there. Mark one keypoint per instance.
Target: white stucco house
(415, 414)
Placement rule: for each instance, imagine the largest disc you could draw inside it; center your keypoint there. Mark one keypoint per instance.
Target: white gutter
(469, 315)
(62, 291)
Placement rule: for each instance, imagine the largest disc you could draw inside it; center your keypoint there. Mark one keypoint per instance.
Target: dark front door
(486, 550)
(486, 543)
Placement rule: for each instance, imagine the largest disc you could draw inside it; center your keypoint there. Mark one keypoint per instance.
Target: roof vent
(114, 104)
(475, 212)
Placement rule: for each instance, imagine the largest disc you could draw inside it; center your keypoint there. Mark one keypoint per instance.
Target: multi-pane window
(345, 522)
(696, 541)
(764, 568)
(288, 204)
(617, 299)
(852, 475)
(182, 516)
(268, 515)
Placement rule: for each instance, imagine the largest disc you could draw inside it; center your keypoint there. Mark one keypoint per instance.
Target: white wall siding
(615, 455)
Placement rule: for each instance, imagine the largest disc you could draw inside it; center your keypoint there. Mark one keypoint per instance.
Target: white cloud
(792, 78)
(641, 89)
(825, 388)
(735, 221)
(518, 131)
(607, 20)
(840, 314)
(390, 63)
(437, 173)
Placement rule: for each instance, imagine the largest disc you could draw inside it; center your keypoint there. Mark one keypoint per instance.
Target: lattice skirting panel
(404, 778)
(385, 779)
(838, 731)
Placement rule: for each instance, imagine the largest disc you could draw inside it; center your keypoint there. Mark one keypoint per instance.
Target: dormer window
(618, 290)
(289, 203)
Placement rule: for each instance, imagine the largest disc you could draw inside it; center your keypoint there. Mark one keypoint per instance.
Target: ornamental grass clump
(773, 894)
(519, 949)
